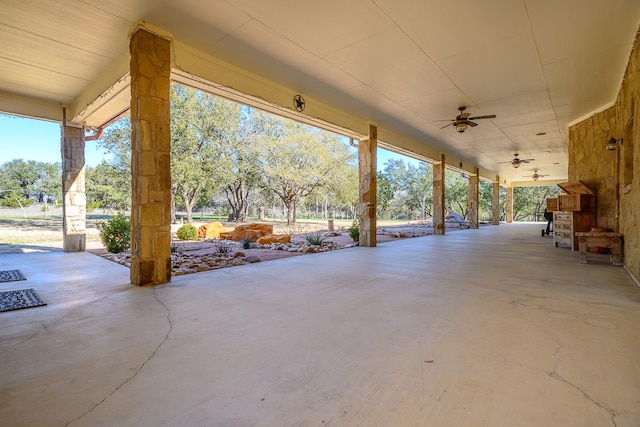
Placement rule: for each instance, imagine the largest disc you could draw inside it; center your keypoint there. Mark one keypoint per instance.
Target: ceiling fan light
(461, 127)
(516, 164)
(535, 177)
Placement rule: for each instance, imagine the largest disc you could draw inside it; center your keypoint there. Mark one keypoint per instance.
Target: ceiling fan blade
(444, 120)
(489, 116)
(526, 160)
(449, 124)
(472, 124)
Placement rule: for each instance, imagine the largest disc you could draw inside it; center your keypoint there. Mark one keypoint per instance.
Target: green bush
(13, 200)
(247, 243)
(354, 231)
(92, 205)
(115, 233)
(187, 232)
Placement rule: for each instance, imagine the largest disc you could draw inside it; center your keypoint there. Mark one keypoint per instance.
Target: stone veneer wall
(614, 175)
(592, 164)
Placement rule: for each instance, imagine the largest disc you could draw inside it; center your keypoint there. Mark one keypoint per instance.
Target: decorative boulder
(274, 238)
(210, 230)
(251, 231)
(227, 235)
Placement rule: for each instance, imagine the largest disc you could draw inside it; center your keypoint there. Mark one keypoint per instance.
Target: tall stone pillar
(495, 202)
(474, 199)
(509, 205)
(438, 196)
(74, 202)
(367, 164)
(150, 159)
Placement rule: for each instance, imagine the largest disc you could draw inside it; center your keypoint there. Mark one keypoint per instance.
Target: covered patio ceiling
(538, 65)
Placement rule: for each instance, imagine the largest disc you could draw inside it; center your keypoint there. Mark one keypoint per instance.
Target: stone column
(367, 164)
(150, 159)
(474, 199)
(438, 197)
(509, 205)
(74, 203)
(495, 202)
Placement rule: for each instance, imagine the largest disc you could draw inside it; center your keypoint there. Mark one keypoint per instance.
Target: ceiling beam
(25, 106)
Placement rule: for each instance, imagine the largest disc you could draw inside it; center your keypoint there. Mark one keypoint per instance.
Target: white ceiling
(538, 65)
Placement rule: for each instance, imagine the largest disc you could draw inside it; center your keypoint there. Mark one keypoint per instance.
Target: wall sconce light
(612, 144)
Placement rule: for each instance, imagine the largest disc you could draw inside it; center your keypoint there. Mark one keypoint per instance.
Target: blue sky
(38, 140)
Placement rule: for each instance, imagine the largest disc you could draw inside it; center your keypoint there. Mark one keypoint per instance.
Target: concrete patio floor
(490, 327)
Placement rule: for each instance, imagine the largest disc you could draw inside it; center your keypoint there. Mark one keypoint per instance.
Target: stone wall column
(74, 201)
(495, 202)
(150, 159)
(438, 197)
(367, 164)
(474, 199)
(509, 205)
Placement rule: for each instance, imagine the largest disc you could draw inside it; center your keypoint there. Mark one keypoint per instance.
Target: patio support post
(509, 205)
(438, 197)
(367, 164)
(495, 202)
(474, 201)
(74, 201)
(150, 159)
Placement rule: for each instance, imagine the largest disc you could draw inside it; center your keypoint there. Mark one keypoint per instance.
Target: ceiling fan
(535, 175)
(516, 161)
(462, 120)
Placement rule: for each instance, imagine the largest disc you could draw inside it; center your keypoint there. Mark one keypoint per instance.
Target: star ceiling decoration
(298, 102)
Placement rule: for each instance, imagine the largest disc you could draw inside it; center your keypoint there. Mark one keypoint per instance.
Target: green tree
(243, 154)
(385, 188)
(108, 187)
(31, 180)
(299, 161)
(529, 203)
(202, 125)
(485, 196)
(419, 183)
(109, 183)
(456, 197)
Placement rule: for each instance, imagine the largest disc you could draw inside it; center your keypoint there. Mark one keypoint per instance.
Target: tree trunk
(189, 203)
(173, 205)
(290, 206)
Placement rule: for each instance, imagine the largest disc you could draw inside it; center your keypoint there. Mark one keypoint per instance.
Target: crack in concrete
(558, 377)
(125, 382)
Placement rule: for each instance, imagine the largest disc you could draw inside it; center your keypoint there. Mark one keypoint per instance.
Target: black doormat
(11, 275)
(22, 298)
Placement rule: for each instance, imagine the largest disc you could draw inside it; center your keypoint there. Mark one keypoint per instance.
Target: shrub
(13, 200)
(354, 231)
(247, 243)
(223, 247)
(115, 233)
(92, 205)
(315, 238)
(187, 232)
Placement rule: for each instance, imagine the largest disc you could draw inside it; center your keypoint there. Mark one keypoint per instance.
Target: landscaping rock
(210, 230)
(274, 238)
(252, 231)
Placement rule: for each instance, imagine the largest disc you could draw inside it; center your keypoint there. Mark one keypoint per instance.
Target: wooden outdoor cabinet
(576, 213)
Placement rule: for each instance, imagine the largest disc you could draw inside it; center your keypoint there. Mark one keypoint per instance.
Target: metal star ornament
(298, 103)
